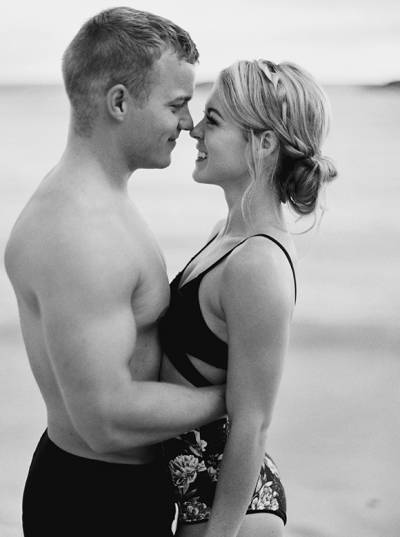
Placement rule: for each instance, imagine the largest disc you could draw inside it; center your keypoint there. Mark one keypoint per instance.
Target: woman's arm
(257, 299)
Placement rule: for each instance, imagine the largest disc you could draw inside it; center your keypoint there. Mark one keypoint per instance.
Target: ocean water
(347, 270)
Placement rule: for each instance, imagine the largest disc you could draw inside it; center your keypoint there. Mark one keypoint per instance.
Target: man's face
(153, 127)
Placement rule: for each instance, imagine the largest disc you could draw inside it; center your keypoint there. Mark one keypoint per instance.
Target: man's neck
(96, 159)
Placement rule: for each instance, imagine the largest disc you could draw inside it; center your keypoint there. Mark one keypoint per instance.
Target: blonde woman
(231, 306)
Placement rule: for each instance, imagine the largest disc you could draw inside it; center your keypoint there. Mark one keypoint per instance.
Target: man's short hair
(118, 46)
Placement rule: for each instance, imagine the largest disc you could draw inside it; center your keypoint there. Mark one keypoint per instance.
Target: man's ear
(117, 102)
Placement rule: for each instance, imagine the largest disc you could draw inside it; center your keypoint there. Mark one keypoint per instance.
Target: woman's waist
(170, 373)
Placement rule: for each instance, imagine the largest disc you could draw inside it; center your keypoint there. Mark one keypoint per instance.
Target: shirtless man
(91, 284)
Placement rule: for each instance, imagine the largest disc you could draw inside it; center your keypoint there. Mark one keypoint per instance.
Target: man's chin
(159, 165)
(165, 164)
(166, 161)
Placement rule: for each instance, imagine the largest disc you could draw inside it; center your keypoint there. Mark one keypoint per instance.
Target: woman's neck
(264, 213)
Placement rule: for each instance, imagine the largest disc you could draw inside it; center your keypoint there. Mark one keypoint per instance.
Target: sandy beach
(336, 429)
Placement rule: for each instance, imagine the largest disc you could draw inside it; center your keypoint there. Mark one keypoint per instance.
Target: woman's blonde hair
(260, 97)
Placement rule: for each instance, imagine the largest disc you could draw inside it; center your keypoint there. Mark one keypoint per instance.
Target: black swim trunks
(70, 496)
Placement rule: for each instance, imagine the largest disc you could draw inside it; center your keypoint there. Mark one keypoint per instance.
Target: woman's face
(221, 148)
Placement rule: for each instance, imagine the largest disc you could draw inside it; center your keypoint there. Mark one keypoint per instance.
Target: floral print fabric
(194, 461)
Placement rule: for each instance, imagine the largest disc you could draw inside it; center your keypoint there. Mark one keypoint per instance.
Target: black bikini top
(183, 330)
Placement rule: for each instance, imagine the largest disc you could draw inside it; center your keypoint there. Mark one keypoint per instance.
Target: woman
(231, 306)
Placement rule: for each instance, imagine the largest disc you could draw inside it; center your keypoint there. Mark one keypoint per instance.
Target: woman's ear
(269, 142)
(117, 102)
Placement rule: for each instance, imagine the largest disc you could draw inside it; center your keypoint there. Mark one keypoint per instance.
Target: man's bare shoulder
(49, 246)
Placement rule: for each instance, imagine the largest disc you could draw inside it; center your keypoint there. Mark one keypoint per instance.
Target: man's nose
(186, 121)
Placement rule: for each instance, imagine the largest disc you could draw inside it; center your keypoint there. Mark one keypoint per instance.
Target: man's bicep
(85, 347)
(90, 334)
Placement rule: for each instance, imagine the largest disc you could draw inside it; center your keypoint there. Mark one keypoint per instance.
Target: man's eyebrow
(214, 110)
(181, 98)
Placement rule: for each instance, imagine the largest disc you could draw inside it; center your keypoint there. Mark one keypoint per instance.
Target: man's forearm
(152, 412)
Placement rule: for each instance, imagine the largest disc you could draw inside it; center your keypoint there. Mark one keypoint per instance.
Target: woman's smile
(201, 155)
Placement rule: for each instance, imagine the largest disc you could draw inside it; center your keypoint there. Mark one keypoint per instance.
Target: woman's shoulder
(260, 266)
(260, 251)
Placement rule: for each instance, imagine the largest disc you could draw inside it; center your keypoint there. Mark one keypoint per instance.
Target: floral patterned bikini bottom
(194, 461)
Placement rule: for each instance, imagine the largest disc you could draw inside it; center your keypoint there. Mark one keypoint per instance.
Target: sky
(338, 41)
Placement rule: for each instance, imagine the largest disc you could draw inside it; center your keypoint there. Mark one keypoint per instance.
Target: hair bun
(302, 186)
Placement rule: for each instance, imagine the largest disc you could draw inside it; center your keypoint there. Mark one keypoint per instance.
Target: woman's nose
(197, 131)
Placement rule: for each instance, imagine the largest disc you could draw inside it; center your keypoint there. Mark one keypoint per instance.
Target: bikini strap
(202, 274)
(198, 253)
(287, 257)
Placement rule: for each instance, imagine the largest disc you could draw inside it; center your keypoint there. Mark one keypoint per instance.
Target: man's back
(73, 244)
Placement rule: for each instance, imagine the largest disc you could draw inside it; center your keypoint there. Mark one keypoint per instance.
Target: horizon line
(390, 83)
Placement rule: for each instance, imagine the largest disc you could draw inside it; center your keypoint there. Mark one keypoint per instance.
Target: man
(91, 285)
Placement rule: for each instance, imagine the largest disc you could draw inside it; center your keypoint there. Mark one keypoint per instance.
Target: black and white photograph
(183, 360)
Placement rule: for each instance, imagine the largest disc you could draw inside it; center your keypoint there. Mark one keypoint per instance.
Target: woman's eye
(210, 120)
